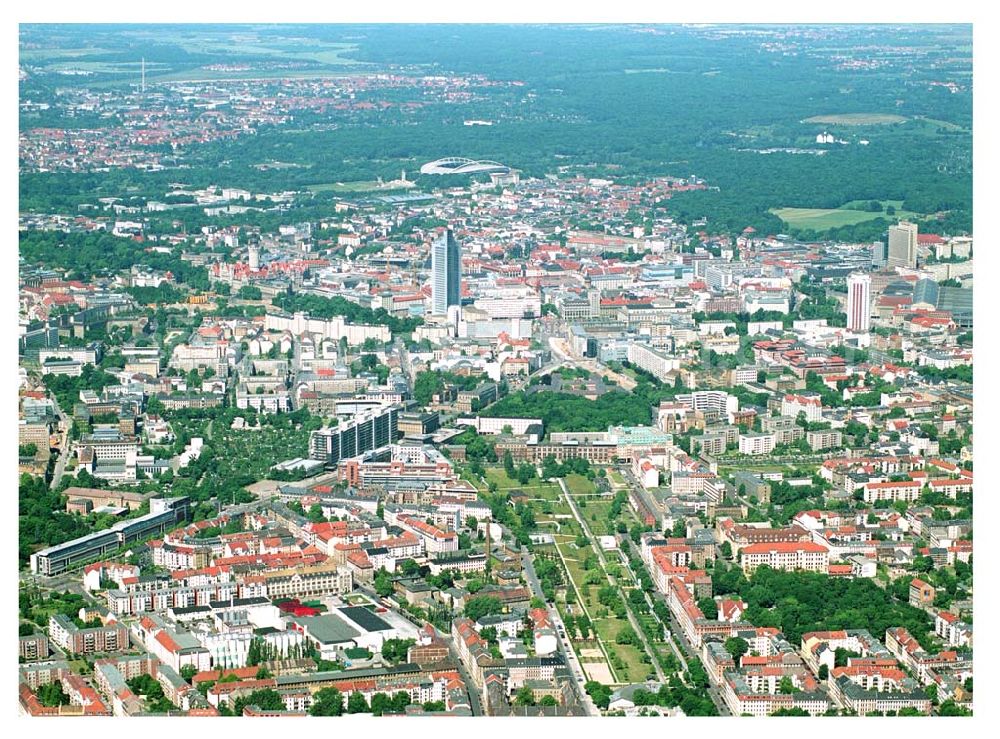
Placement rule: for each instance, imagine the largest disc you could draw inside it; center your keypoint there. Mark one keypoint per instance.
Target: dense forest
(320, 307)
(568, 412)
(41, 518)
(799, 602)
(632, 103)
(87, 254)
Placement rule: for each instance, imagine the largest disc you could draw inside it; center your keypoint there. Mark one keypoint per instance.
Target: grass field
(941, 124)
(103, 67)
(860, 205)
(821, 219)
(857, 119)
(535, 488)
(324, 53)
(627, 661)
(579, 485)
(596, 510)
(631, 657)
(345, 186)
(553, 515)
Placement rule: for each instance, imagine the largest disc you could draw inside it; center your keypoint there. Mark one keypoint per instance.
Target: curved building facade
(460, 165)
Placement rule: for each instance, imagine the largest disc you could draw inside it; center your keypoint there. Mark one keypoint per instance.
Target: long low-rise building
(124, 603)
(902, 490)
(596, 452)
(655, 363)
(99, 497)
(497, 425)
(164, 514)
(333, 328)
(308, 581)
(863, 700)
(786, 556)
(757, 694)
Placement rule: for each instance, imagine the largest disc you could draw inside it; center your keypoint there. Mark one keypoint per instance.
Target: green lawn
(635, 670)
(498, 476)
(474, 479)
(860, 205)
(535, 488)
(579, 485)
(595, 513)
(554, 508)
(208, 75)
(821, 219)
(941, 124)
(33, 55)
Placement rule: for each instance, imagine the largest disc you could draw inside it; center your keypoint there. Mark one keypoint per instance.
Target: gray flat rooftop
(365, 618)
(328, 628)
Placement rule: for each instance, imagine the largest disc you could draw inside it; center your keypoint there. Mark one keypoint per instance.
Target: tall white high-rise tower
(446, 274)
(859, 299)
(903, 245)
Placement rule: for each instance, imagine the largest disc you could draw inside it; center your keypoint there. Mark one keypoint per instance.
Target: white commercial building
(332, 328)
(812, 406)
(717, 401)
(655, 363)
(859, 300)
(756, 443)
(495, 426)
(903, 245)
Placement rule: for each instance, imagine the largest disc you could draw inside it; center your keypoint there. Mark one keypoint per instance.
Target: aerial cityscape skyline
(495, 370)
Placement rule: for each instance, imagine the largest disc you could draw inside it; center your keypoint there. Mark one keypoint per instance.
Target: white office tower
(859, 300)
(594, 302)
(446, 274)
(254, 256)
(903, 245)
(879, 249)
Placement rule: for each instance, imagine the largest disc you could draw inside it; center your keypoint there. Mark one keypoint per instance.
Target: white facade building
(859, 300)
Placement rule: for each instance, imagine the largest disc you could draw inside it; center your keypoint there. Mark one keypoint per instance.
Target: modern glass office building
(446, 273)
